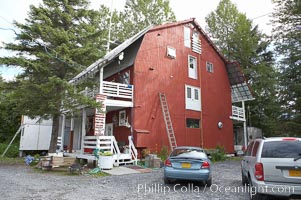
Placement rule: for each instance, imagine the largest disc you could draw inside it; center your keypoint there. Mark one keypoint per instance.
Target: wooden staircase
(168, 123)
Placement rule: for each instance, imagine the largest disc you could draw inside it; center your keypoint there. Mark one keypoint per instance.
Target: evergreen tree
(139, 14)
(9, 116)
(58, 40)
(287, 37)
(239, 40)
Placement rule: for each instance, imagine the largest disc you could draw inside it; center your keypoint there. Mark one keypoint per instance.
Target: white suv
(272, 167)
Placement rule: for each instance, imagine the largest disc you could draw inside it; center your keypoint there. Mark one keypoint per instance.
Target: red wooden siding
(154, 72)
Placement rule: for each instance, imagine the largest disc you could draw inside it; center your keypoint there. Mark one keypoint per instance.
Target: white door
(192, 67)
(109, 129)
(193, 98)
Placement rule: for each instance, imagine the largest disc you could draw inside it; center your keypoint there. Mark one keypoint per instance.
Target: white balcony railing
(119, 90)
(238, 114)
(112, 89)
(109, 143)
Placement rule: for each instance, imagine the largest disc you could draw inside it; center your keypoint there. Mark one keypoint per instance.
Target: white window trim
(210, 69)
(195, 67)
(192, 99)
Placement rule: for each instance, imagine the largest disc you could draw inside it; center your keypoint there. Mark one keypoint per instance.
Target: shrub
(12, 152)
(145, 152)
(218, 154)
(163, 154)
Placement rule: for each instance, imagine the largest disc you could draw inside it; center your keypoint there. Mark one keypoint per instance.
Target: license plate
(295, 173)
(186, 165)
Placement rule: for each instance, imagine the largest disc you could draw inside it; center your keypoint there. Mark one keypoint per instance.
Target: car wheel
(244, 179)
(208, 183)
(253, 194)
(166, 180)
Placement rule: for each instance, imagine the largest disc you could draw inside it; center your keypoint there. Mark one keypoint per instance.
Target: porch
(93, 130)
(108, 144)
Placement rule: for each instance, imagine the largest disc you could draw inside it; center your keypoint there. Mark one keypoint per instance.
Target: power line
(262, 15)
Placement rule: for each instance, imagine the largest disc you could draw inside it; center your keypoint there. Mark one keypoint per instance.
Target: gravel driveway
(20, 182)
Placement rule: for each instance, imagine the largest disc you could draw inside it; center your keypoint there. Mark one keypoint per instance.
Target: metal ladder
(168, 123)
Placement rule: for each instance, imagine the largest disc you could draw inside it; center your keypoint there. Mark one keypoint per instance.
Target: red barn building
(168, 85)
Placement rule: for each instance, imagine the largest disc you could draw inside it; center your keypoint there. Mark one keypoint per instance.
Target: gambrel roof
(241, 90)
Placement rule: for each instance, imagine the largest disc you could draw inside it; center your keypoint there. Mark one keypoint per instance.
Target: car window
(249, 149)
(281, 149)
(255, 148)
(191, 153)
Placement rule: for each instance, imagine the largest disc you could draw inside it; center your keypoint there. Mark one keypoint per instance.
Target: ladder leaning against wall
(168, 123)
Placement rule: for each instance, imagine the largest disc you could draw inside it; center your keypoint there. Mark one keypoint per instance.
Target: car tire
(255, 196)
(244, 179)
(166, 180)
(208, 183)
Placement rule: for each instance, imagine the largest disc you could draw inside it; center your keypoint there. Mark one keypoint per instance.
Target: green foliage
(163, 154)
(11, 161)
(139, 14)
(218, 154)
(10, 117)
(287, 37)
(240, 40)
(105, 153)
(12, 152)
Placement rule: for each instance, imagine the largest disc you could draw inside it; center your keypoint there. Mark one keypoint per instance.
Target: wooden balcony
(118, 95)
(238, 114)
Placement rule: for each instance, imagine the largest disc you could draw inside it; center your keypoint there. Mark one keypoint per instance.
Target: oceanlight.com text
(214, 188)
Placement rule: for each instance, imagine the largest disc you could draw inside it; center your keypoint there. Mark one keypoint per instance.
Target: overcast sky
(258, 10)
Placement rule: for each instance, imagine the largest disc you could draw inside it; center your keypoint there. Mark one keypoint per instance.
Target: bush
(12, 152)
(218, 154)
(163, 154)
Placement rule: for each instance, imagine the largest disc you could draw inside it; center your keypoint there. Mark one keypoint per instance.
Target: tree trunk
(54, 134)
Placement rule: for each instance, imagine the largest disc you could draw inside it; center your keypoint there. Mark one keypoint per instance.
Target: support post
(100, 80)
(83, 130)
(63, 132)
(18, 131)
(245, 126)
(71, 135)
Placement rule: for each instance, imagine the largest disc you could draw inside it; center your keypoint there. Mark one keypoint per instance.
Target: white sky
(184, 9)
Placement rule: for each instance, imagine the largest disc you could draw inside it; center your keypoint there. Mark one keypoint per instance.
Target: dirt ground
(22, 182)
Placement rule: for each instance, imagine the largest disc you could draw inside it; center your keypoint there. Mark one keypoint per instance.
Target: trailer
(35, 134)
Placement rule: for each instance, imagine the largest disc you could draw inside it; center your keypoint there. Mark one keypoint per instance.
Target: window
(249, 149)
(255, 148)
(192, 67)
(122, 118)
(124, 78)
(192, 123)
(171, 52)
(196, 43)
(188, 92)
(193, 98)
(209, 67)
(188, 153)
(187, 42)
(281, 149)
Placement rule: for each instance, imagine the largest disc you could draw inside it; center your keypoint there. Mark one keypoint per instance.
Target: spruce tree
(287, 37)
(239, 40)
(58, 40)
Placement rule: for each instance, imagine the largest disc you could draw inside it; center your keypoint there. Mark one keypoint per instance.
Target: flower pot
(105, 162)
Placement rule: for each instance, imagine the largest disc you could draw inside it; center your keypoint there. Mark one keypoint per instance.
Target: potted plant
(105, 160)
